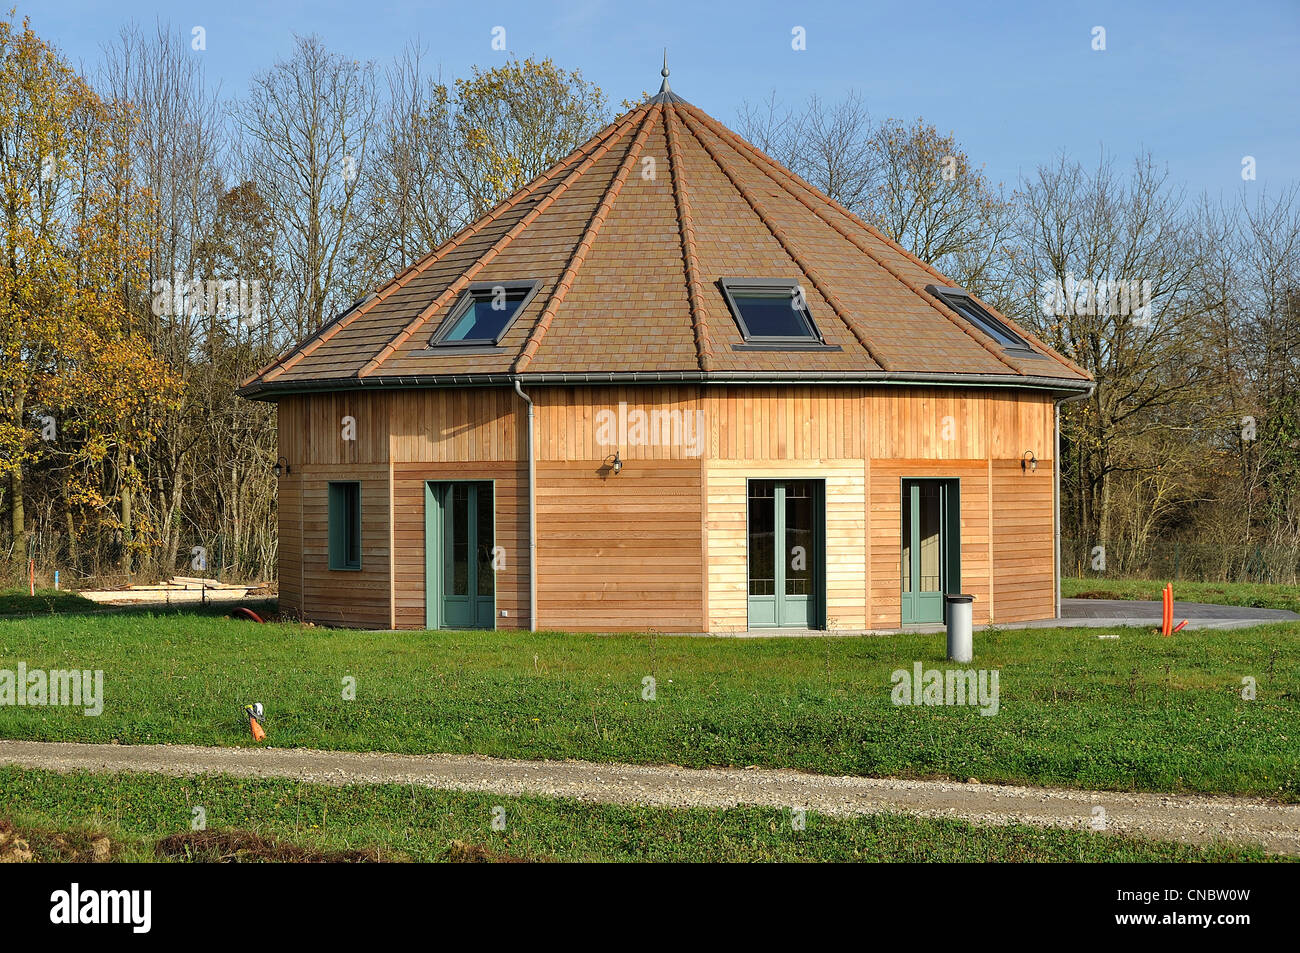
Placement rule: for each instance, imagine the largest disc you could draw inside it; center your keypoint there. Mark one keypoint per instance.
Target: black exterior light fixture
(617, 465)
(281, 467)
(1028, 461)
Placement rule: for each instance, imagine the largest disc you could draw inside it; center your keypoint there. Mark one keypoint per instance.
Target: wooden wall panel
(976, 572)
(630, 551)
(477, 424)
(1023, 547)
(289, 545)
(728, 547)
(312, 428)
(785, 423)
(344, 597)
(584, 423)
(511, 511)
(619, 552)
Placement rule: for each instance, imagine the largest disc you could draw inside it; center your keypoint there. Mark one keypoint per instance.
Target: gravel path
(1193, 820)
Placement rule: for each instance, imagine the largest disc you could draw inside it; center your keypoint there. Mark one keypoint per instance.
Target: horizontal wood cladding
(510, 489)
(1023, 544)
(340, 597)
(289, 543)
(619, 552)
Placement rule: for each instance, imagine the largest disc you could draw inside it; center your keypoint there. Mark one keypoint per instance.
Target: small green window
(345, 525)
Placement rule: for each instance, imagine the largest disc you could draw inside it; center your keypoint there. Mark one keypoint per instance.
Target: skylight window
(771, 311)
(484, 313)
(961, 302)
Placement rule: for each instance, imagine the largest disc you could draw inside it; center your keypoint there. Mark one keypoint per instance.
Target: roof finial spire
(665, 88)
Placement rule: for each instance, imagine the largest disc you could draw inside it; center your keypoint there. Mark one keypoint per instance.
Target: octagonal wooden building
(667, 385)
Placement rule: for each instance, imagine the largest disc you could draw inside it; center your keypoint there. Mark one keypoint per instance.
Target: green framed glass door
(787, 533)
(460, 584)
(931, 549)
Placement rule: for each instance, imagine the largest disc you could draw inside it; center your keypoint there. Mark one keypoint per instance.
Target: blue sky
(1200, 83)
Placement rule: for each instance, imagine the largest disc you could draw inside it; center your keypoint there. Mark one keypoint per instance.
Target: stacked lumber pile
(175, 590)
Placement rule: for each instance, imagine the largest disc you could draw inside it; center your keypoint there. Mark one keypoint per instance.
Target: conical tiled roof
(628, 238)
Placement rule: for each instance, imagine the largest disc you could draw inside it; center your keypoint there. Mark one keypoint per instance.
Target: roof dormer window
(960, 301)
(771, 311)
(483, 313)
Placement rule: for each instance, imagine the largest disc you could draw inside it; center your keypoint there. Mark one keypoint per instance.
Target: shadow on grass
(19, 604)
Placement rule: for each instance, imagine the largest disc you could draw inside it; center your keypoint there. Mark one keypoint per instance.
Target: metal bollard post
(960, 642)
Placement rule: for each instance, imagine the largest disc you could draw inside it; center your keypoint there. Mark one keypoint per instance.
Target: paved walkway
(1193, 820)
(1079, 614)
(1203, 613)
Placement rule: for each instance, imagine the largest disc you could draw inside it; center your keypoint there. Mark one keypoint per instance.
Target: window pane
(486, 317)
(930, 525)
(353, 528)
(459, 575)
(762, 538)
(771, 315)
(798, 539)
(344, 525)
(486, 581)
(985, 322)
(907, 537)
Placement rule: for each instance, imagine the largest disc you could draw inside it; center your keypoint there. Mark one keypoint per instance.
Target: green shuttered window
(345, 525)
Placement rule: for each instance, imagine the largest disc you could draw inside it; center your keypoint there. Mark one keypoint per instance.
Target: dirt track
(1169, 817)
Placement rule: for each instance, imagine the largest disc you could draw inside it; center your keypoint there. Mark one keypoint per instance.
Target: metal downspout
(532, 515)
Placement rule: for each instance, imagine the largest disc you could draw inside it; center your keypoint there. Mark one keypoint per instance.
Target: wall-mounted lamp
(281, 466)
(1028, 461)
(617, 465)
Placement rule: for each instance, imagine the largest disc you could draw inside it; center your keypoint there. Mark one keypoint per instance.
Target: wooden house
(668, 385)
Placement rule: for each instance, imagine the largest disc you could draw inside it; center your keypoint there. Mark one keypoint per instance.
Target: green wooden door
(931, 548)
(460, 584)
(786, 561)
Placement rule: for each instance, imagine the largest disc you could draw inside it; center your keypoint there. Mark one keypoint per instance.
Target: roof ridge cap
(807, 268)
(483, 260)
(686, 223)
(579, 255)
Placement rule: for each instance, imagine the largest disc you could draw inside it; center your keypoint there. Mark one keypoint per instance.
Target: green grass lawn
(1257, 594)
(59, 814)
(1134, 713)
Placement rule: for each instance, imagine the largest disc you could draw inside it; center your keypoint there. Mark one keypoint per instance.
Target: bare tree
(176, 149)
(829, 146)
(307, 124)
(412, 202)
(1107, 271)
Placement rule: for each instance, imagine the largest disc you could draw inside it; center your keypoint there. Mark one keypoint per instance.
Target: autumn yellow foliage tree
(515, 121)
(77, 384)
